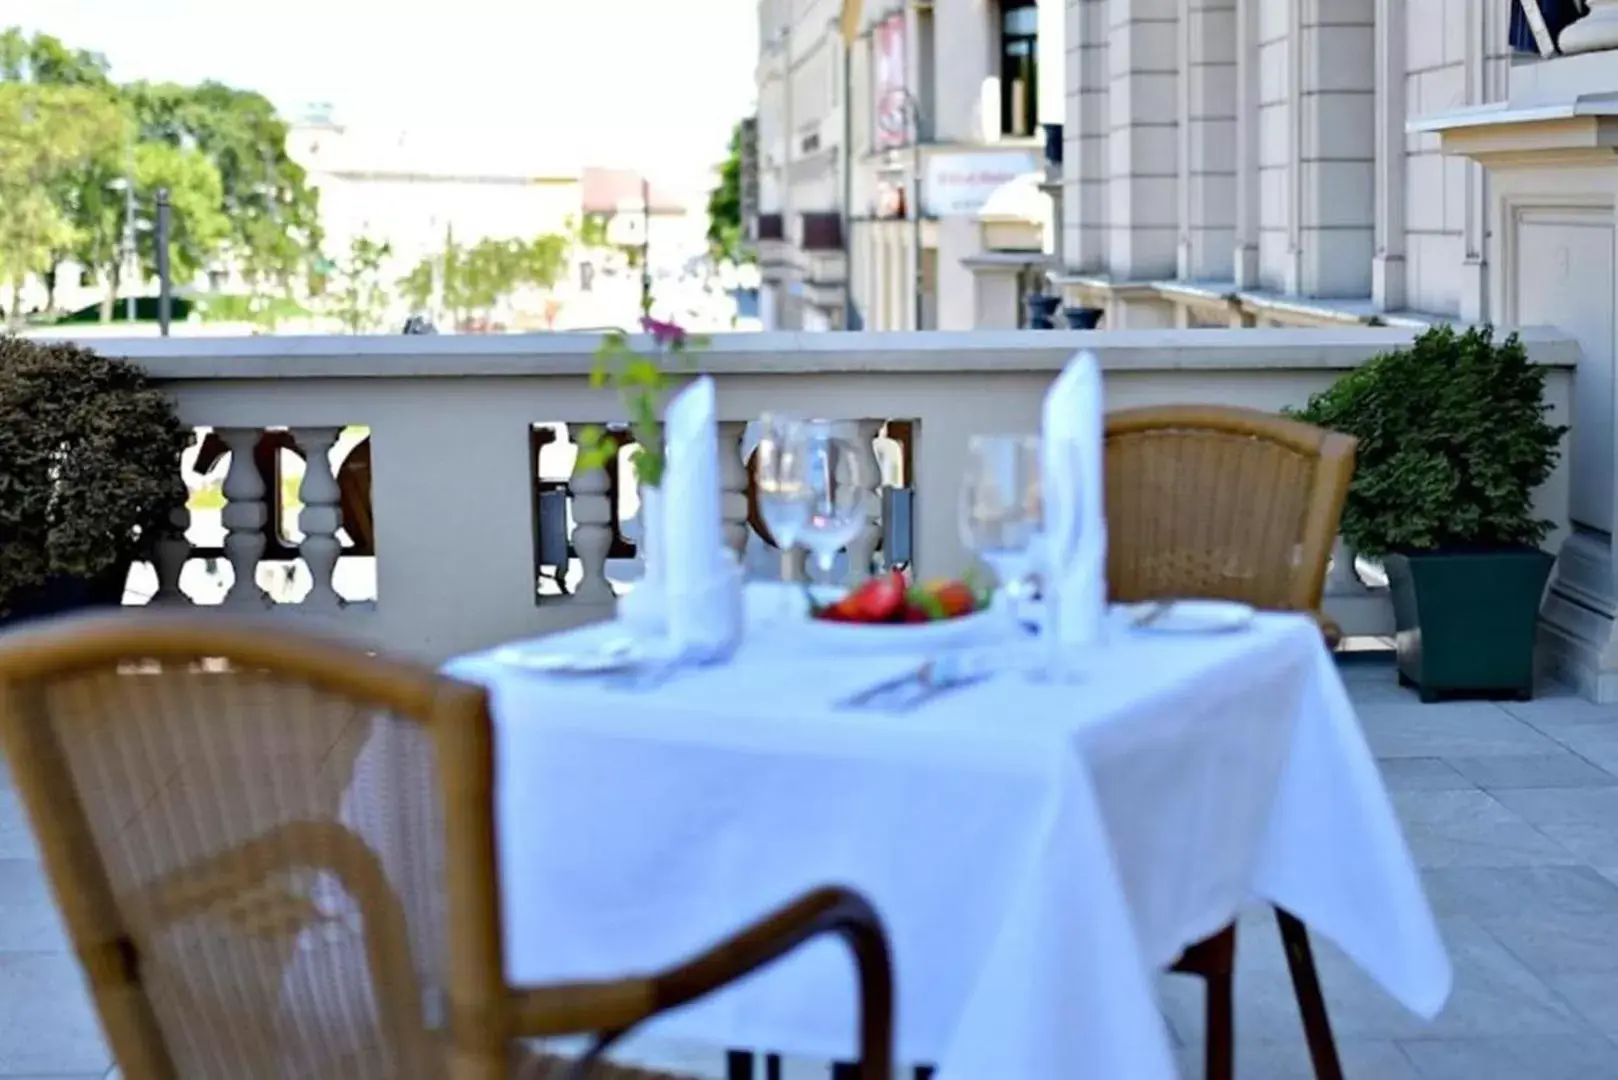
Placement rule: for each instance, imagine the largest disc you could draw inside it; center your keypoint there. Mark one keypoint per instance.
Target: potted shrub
(1453, 441)
(89, 476)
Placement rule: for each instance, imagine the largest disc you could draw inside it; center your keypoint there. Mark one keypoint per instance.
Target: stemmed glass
(1002, 511)
(781, 479)
(840, 483)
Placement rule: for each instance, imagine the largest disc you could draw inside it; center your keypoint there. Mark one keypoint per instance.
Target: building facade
(868, 111)
(1246, 162)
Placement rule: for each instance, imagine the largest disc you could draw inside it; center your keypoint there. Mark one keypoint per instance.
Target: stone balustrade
(465, 455)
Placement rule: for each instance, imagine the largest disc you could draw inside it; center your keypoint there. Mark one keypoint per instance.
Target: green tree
(47, 133)
(725, 205)
(588, 232)
(78, 189)
(272, 211)
(354, 292)
(46, 61)
(199, 228)
(476, 279)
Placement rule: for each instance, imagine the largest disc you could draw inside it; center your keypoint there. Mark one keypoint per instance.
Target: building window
(1019, 71)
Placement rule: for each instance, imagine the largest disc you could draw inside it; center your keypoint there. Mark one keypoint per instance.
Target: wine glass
(781, 479)
(1001, 509)
(839, 481)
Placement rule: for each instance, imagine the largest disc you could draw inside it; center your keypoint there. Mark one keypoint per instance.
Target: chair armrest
(612, 1008)
(1328, 628)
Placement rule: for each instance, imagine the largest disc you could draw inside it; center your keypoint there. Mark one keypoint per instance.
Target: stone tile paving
(1511, 811)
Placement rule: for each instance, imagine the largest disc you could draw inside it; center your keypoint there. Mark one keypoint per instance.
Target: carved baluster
(593, 530)
(170, 559)
(733, 484)
(1341, 577)
(244, 517)
(321, 517)
(863, 547)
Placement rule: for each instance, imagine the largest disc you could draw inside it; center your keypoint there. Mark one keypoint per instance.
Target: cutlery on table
(1152, 614)
(930, 680)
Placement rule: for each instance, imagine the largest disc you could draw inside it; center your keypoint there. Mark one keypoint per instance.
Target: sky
(649, 84)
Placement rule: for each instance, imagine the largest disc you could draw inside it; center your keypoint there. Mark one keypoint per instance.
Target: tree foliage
(355, 292)
(272, 212)
(1453, 442)
(725, 205)
(472, 281)
(49, 134)
(70, 139)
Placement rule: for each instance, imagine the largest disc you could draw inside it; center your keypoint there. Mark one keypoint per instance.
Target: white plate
(1190, 617)
(897, 637)
(620, 654)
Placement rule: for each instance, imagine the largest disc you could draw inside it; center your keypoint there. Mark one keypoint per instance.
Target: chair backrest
(274, 853)
(1218, 502)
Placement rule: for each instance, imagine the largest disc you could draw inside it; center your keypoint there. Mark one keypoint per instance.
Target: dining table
(1038, 850)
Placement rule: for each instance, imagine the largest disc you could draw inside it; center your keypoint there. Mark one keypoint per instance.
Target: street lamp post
(165, 286)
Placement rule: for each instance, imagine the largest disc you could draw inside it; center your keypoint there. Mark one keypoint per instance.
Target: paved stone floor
(1511, 811)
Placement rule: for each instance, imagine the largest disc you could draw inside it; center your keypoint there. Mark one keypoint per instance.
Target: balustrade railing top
(418, 491)
(561, 354)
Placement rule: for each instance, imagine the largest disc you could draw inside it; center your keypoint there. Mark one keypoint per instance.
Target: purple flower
(664, 333)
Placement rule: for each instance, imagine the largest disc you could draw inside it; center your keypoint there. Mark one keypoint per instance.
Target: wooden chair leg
(1311, 1003)
(1219, 1040)
(1214, 962)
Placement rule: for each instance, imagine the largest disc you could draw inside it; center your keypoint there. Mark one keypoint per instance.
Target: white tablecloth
(1036, 851)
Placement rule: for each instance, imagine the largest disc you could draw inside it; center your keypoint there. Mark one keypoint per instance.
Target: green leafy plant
(89, 467)
(1453, 440)
(642, 384)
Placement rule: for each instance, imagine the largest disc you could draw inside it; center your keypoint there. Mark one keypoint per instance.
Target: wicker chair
(1231, 504)
(248, 902)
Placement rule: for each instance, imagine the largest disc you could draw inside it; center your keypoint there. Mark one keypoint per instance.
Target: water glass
(781, 478)
(840, 482)
(781, 481)
(1001, 509)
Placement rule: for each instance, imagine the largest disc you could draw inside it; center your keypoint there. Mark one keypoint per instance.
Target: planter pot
(1466, 622)
(1083, 318)
(1041, 310)
(66, 595)
(644, 608)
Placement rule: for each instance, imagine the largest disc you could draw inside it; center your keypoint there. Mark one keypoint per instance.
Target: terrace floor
(1511, 810)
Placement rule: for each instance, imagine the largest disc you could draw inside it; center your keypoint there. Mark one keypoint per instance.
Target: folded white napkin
(699, 571)
(1075, 525)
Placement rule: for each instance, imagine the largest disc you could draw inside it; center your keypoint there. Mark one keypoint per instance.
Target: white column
(1388, 265)
(1474, 227)
(863, 547)
(1207, 137)
(1249, 68)
(1144, 69)
(1086, 165)
(170, 559)
(592, 532)
(1336, 177)
(733, 485)
(244, 517)
(321, 517)
(1292, 267)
